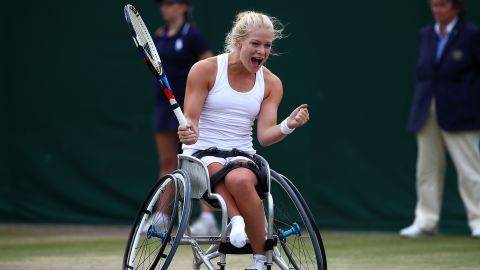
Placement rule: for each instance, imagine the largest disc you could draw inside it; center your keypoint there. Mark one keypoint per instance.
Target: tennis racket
(146, 47)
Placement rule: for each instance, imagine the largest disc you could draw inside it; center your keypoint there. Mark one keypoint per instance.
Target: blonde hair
(247, 21)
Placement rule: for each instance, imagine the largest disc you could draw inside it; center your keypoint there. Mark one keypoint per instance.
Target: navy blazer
(454, 81)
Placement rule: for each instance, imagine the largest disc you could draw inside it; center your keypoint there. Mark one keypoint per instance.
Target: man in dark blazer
(445, 114)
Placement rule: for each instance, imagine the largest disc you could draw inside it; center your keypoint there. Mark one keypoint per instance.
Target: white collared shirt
(442, 41)
(449, 28)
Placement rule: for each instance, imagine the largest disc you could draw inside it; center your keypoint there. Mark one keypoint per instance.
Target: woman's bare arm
(268, 131)
(198, 85)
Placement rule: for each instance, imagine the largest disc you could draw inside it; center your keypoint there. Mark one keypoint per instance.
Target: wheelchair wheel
(299, 245)
(310, 215)
(159, 225)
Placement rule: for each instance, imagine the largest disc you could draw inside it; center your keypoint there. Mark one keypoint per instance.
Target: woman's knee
(241, 181)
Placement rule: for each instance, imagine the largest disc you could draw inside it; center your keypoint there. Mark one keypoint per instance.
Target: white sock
(238, 237)
(208, 216)
(260, 257)
(259, 261)
(159, 218)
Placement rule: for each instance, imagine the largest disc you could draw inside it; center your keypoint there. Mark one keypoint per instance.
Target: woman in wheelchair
(224, 95)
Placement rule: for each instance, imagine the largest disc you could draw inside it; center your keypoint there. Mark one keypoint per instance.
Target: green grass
(388, 251)
(19, 250)
(73, 247)
(26, 243)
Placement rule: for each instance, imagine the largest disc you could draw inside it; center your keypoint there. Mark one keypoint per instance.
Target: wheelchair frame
(191, 182)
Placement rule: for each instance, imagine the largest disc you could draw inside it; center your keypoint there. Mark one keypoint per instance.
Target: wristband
(284, 127)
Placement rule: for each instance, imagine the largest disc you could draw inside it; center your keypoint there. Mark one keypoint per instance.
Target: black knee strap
(214, 179)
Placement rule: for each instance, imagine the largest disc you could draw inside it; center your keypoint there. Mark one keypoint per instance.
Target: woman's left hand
(298, 117)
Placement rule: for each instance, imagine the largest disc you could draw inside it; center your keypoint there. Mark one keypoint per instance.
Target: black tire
(298, 252)
(153, 238)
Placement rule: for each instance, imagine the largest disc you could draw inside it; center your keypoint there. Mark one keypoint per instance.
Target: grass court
(101, 248)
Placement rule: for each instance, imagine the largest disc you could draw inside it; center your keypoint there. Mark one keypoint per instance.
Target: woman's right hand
(187, 134)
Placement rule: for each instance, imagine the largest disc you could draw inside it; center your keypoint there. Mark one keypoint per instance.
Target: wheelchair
(162, 224)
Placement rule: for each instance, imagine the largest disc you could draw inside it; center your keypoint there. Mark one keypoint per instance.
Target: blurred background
(76, 139)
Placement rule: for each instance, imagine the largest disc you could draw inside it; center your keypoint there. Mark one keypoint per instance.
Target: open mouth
(257, 61)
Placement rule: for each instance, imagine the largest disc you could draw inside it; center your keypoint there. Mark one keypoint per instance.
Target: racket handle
(176, 108)
(180, 117)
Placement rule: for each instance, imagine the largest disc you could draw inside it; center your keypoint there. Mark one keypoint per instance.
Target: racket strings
(144, 39)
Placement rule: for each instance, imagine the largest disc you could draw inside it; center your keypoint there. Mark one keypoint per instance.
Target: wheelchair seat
(200, 179)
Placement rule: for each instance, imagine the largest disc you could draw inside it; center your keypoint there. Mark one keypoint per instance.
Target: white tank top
(227, 117)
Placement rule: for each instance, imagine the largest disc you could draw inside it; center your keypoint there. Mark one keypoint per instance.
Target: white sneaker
(413, 231)
(258, 262)
(476, 232)
(159, 220)
(205, 225)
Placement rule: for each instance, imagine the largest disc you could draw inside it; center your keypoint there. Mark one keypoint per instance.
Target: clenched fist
(298, 117)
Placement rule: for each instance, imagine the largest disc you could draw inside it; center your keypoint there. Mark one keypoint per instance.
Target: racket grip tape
(180, 117)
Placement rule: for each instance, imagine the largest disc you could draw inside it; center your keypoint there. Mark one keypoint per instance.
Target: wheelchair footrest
(228, 248)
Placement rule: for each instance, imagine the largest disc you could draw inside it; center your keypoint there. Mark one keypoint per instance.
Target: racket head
(144, 43)
(142, 38)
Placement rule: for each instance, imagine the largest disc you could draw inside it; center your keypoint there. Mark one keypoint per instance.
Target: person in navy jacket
(445, 115)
